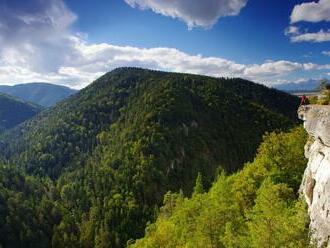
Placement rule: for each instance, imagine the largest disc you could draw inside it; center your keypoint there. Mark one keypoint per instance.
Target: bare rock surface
(316, 181)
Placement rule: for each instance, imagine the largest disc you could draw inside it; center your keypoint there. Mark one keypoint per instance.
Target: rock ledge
(316, 181)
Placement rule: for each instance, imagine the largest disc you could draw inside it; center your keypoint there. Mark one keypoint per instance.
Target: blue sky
(72, 42)
(255, 35)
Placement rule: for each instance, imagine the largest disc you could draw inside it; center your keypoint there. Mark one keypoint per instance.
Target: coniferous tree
(199, 188)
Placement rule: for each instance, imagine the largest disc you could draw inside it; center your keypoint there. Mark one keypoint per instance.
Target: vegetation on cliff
(256, 207)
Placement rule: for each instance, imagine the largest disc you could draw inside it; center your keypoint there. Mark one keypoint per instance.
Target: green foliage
(313, 99)
(199, 188)
(256, 207)
(113, 150)
(324, 84)
(14, 111)
(276, 220)
(28, 209)
(324, 96)
(198, 115)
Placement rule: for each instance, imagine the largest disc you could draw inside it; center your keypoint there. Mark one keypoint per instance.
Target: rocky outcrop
(316, 180)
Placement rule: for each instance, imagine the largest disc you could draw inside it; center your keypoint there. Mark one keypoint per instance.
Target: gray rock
(316, 181)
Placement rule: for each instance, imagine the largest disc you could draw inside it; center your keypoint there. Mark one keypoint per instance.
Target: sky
(73, 42)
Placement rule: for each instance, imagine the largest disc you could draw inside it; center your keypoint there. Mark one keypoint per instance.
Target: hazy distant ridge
(44, 94)
(308, 85)
(13, 111)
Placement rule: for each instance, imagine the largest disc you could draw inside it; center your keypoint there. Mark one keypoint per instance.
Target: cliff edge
(316, 181)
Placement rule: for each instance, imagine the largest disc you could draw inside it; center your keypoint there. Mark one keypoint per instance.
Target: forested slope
(256, 207)
(108, 154)
(14, 111)
(224, 107)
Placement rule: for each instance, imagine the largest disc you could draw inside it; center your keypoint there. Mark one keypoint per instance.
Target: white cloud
(326, 53)
(273, 68)
(41, 47)
(320, 36)
(196, 13)
(92, 60)
(95, 59)
(32, 29)
(291, 30)
(311, 12)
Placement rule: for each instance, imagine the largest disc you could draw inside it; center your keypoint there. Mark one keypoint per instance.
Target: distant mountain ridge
(44, 94)
(14, 111)
(308, 85)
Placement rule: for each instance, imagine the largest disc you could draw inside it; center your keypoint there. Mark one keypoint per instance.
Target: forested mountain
(43, 94)
(14, 111)
(100, 162)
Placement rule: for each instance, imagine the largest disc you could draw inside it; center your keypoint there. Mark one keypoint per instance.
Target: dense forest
(14, 111)
(93, 170)
(255, 207)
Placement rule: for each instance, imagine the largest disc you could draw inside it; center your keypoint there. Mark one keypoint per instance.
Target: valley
(95, 168)
(164, 124)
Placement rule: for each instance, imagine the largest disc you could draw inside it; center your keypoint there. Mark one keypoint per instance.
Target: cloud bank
(38, 45)
(311, 12)
(31, 29)
(317, 37)
(92, 60)
(195, 13)
(326, 53)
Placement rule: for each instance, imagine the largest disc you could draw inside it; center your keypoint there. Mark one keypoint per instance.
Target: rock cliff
(316, 181)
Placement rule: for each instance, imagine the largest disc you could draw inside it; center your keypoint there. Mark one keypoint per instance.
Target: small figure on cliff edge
(304, 100)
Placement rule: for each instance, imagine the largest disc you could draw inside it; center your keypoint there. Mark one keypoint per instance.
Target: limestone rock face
(316, 181)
